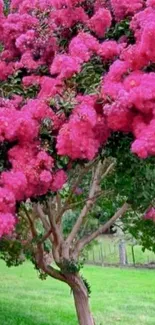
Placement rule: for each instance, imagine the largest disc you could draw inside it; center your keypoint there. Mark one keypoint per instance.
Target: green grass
(119, 296)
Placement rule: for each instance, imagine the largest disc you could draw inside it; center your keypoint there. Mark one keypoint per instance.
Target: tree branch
(53, 230)
(95, 197)
(59, 204)
(88, 205)
(31, 223)
(56, 231)
(73, 188)
(56, 274)
(39, 252)
(45, 223)
(108, 170)
(85, 241)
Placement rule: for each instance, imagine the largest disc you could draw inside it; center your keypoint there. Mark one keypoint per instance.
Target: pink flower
(65, 66)
(7, 224)
(100, 22)
(16, 182)
(77, 138)
(1, 7)
(59, 179)
(46, 177)
(123, 8)
(119, 117)
(5, 70)
(150, 3)
(27, 61)
(110, 49)
(68, 17)
(25, 41)
(7, 201)
(144, 145)
(49, 88)
(31, 80)
(43, 160)
(83, 46)
(150, 214)
(139, 147)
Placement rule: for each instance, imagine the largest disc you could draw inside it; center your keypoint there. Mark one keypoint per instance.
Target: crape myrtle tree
(77, 80)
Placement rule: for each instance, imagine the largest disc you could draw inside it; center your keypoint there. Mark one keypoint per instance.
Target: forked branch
(100, 172)
(86, 240)
(88, 205)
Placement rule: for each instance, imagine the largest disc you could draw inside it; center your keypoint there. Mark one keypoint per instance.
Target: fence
(115, 251)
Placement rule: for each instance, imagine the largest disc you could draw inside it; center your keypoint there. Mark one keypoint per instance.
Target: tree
(75, 77)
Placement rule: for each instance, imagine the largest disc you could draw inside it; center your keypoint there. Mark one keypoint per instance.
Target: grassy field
(107, 251)
(119, 296)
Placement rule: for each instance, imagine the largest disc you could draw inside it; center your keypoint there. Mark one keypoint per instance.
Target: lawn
(119, 296)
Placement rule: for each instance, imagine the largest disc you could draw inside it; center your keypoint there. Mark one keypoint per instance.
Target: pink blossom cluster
(31, 38)
(100, 22)
(32, 172)
(123, 8)
(79, 137)
(131, 88)
(150, 214)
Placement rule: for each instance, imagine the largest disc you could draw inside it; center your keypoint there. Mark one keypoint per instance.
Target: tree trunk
(82, 308)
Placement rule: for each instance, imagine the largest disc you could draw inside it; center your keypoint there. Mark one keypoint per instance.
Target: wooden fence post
(133, 255)
(122, 252)
(102, 255)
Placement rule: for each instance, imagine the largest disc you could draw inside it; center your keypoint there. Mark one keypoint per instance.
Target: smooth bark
(82, 308)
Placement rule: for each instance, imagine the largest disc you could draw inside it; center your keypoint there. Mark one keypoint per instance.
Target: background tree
(77, 92)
